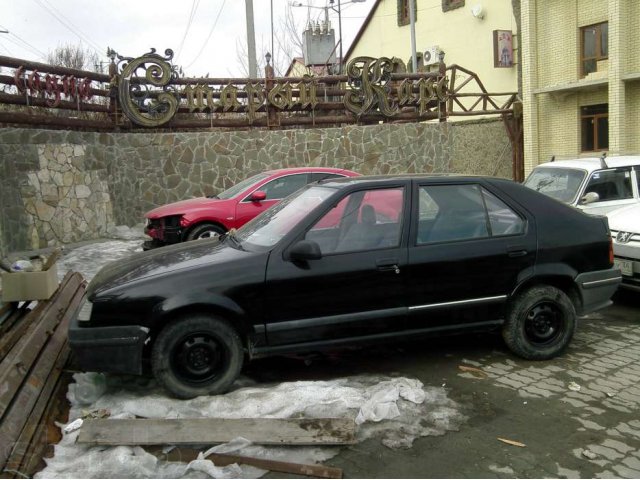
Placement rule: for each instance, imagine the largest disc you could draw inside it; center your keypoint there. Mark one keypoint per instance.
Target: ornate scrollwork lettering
(368, 79)
(255, 99)
(307, 92)
(144, 105)
(229, 98)
(281, 96)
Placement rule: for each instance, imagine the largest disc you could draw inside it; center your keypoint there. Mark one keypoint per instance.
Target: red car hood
(185, 206)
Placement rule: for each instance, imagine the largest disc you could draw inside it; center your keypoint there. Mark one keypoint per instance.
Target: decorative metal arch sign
(151, 93)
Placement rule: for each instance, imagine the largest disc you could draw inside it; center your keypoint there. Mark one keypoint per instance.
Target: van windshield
(559, 183)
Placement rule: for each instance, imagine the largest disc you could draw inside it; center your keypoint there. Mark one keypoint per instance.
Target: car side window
(460, 214)
(611, 184)
(363, 220)
(502, 219)
(324, 176)
(282, 187)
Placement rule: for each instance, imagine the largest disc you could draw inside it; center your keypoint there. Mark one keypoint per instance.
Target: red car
(211, 216)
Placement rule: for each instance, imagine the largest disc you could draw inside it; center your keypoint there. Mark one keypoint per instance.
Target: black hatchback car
(340, 262)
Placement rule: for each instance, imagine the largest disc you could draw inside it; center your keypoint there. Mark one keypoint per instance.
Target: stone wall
(61, 187)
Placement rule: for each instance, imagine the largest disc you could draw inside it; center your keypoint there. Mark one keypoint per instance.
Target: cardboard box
(23, 286)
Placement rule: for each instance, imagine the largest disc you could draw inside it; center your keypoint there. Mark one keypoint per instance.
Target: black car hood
(162, 261)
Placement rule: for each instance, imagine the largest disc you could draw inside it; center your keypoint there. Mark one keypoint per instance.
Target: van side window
(611, 184)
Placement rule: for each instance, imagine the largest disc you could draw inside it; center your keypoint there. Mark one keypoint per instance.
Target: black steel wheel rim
(544, 323)
(198, 358)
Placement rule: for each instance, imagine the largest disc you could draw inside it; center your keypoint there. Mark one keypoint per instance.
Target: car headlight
(84, 313)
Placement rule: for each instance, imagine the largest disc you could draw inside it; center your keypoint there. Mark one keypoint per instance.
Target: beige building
(581, 78)
(466, 31)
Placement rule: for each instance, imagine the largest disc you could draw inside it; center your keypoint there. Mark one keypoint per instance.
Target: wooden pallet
(33, 353)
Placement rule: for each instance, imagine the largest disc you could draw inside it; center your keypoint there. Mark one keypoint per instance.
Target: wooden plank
(18, 327)
(16, 365)
(48, 433)
(208, 431)
(22, 405)
(182, 454)
(36, 416)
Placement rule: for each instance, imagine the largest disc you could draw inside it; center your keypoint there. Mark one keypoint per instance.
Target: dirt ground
(590, 433)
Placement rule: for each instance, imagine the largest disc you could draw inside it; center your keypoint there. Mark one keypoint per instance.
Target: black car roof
(383, 179)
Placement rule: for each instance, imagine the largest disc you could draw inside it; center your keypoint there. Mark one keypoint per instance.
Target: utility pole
(412, 21)
(251, 40)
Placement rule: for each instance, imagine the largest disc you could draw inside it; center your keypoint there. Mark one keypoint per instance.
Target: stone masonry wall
(61, 187)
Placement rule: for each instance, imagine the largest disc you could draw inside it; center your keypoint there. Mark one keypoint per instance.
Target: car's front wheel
(197, 355)
(205, 230)
(540, 323)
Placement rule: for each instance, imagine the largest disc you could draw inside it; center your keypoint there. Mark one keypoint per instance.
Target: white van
(625, 232)
(594, 185)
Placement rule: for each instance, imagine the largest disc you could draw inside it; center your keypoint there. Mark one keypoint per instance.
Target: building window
(451, 4)
(594, 41)
(594, 127)
(403, 12)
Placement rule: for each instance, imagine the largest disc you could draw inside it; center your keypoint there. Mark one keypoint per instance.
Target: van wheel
(540, 323)
(205, 230)
(197, 355)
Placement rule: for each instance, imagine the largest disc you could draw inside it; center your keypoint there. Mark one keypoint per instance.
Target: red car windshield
(241, 187)
(264, 231)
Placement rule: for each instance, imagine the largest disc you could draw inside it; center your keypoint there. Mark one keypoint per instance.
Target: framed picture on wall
(502, 48)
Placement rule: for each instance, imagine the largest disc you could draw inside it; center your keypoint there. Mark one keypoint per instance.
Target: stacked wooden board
(33, 353)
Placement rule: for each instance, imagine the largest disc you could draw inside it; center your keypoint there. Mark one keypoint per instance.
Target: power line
(192, 14)
(5, 48)
(68, 24)
(24, 44)
(209, 36)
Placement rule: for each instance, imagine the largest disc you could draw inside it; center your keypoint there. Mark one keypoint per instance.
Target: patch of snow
(122, 232)
(397, 410)
(88, 259)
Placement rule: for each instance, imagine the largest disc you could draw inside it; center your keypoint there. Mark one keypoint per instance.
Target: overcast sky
(131, 27)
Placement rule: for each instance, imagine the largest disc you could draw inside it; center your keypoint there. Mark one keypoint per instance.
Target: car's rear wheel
(540, 323)
(205, 230)
(197, 355)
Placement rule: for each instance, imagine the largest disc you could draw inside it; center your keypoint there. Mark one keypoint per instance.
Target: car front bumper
(115, 349)
(596, 289)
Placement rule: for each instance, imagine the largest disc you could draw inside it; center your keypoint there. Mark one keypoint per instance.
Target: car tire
(205, 230)
(540, 323)
(197, 355)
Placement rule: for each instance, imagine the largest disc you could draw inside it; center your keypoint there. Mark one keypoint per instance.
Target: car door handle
(388, 265)
(517, 251)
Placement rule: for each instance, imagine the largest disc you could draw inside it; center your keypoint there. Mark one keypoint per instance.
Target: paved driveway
(593, 431)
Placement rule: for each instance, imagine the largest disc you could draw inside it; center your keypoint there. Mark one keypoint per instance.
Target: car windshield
(559, 183)
(264, 231)
(241, 187)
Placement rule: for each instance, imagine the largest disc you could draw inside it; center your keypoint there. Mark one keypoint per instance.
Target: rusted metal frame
(9, 80)
(10, 99)
(330, 79)
(46, 68)
(17, 363)
(18, 413)
(471, 74)
(298, 120)
(24, 118)
(455, 99)
(479, 112)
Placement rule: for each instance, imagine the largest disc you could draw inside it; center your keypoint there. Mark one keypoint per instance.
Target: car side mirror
(589, 197)
(305, 250)
(258, 196)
